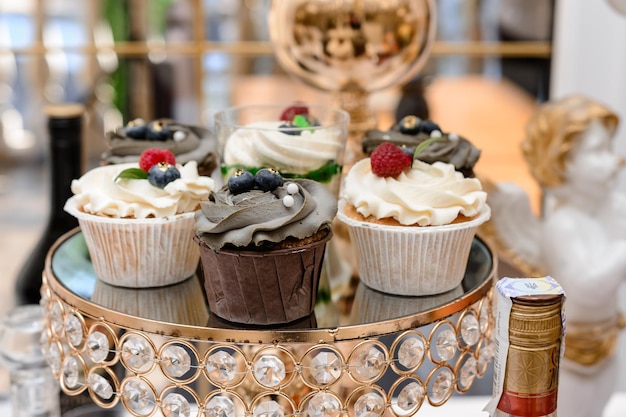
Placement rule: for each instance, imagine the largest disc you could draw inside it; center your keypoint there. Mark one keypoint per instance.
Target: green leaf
(324, 174)
(300, 121)
(425, 144)
(132, 174)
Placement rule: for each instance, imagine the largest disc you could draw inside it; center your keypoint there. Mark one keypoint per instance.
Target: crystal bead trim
(326, 368)
(411, 352)
(221, 367)
(100, 386)
(175, 405)
(369, 363)
(56, 318)
(98, 346)
(445, 345)
(71, 372)
(138, 396)
(470, 330)
(369, 405)
(74, 330)
(268, 409)
(323, 404)
(220, 406)
(269, 370)
(252, 379)
(137, 353)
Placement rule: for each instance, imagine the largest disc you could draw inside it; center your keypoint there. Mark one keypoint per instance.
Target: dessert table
(154, 350)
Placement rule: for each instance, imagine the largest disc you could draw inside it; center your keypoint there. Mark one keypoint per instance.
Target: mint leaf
(300, 121)
(425, 144)
(132, 174)
(324, 174)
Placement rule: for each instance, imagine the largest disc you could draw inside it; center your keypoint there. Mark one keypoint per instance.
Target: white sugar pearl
(288, 201)
(453, 137)
(292, 188)
(179, 135)
(435, 134)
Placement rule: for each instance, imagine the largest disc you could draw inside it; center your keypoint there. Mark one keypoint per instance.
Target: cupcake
(186, 142)
(137, 219)
(298, 141)
(411, 222)
(262, 241)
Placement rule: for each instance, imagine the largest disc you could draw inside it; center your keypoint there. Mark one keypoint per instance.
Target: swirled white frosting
(97, 192)
(261, 144)
(426, 195)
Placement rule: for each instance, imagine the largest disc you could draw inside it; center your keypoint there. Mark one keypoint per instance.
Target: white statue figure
(580, 239)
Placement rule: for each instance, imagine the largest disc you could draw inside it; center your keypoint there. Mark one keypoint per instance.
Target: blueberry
(407, 150)
(409, 125)
(289, 129)
(267, 179)
(158, 130)
(428, 126)
(241, 182)
(136, 129)
(162, 174)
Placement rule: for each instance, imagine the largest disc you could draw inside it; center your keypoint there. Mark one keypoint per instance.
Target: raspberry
(153, 156)
(292, 111)
(388, 160)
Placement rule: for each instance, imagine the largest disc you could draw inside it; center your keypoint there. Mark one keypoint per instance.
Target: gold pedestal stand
(160, 352)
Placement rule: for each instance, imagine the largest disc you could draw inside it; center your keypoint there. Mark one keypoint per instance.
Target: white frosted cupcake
(139, 235)
(411, 222)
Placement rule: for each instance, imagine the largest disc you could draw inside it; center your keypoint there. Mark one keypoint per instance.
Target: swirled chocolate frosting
(452, 149)
(253, 218)
(186, 142)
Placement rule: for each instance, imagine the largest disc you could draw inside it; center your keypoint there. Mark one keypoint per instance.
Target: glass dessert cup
(253, 136)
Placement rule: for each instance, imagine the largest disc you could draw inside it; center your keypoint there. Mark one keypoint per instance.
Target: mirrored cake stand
(160, 351)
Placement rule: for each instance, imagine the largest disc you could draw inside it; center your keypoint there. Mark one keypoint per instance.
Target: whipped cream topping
(426, 195)
(261, 144)
(257, 216)
(97, 192)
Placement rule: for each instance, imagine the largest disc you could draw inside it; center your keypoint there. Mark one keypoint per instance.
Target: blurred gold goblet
(352, 47)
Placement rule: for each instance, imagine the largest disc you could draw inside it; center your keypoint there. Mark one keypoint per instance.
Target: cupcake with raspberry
(137, 219)
(412, 222)
(186, 142)
(262, 240)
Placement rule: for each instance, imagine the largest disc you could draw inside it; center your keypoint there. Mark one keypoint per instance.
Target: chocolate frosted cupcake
(410, 131)
(262, 242)
(186, 142)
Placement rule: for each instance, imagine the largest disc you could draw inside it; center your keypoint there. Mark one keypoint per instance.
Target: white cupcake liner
(371, 305)
(412, 260)
(139, 253)
(180, 303)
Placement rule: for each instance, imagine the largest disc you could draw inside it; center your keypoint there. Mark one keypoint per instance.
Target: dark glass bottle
(65, 164)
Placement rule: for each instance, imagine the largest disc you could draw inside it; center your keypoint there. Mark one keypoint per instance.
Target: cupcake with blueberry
(262, 240)
(298, 141)
(410, 131)
(186, 142)
(137, 219)
(412, 222)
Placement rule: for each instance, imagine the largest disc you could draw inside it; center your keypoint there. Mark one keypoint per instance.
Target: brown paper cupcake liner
(263, 288)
